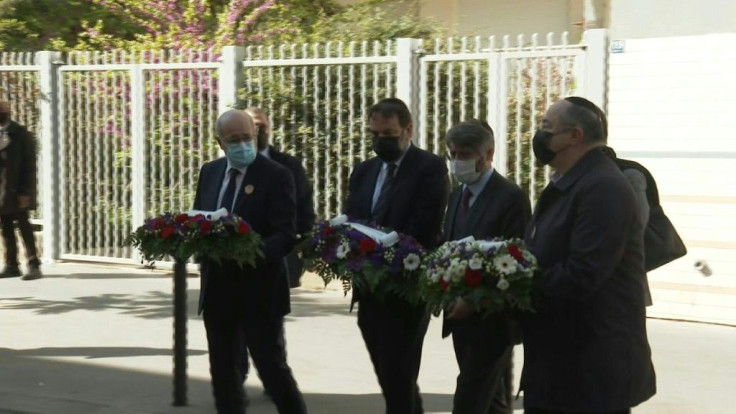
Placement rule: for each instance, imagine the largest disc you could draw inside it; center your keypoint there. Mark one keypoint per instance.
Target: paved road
(96, 339)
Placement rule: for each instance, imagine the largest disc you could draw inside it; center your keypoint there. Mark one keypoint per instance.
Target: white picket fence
(123, 134)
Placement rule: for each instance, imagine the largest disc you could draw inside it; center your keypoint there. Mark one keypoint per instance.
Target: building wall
(660, 18)
(671, 104)
(500, 17)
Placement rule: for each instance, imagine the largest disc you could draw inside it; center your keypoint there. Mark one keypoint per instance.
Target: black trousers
(393, 332)
(483, 355)
(26, 231)
(226, 332)
(543, 411)
(294, 268)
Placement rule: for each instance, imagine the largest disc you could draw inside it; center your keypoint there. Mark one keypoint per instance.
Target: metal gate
(123, 134)
(134, 130)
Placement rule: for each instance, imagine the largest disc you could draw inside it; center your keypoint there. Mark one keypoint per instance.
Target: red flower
(443, 285)
(368, 245)
(167, 231)
(157, 224)
(327, 231)
(181, 218)
(243, 228)
(473, 277)
(516, 253)
(205, 227)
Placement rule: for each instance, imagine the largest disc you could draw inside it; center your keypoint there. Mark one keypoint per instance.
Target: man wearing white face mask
(248, 304)
(485, 206)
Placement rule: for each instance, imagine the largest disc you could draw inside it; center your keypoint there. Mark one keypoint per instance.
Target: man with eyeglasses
(247, 305)
(586, 347)
(404, 188)
(486, 205)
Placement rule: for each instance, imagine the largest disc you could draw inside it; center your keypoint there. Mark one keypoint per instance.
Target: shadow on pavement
(152, 305)
(107, 276)
(29, 384)
(94, 352)
(159, 304)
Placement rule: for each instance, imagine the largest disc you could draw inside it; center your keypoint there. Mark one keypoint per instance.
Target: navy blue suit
(248, 304)
(393, 330)
(483, 345)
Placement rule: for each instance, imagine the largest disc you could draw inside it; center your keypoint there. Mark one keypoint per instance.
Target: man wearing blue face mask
(247, 305)
(486, 205)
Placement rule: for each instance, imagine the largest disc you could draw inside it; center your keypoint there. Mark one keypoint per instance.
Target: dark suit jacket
(586, 348)
(418, 195)
(500, 210)
(304, 204)
(271, 211)
(18, 163)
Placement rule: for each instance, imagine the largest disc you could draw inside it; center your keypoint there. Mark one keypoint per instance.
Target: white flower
(475, 263)
(447, 276)
(411, 262)
(342, 251)
(434, 276)
(505, 264)
(502, 284)
(457, 269)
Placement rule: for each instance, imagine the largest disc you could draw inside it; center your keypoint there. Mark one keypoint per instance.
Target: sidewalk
(97, 339)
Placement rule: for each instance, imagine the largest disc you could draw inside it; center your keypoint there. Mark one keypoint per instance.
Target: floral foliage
(182, 236)
(343, 253)
(492, 276)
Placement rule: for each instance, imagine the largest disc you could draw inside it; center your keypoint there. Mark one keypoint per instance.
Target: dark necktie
(465, 204)
(229, 196)
(382, 203)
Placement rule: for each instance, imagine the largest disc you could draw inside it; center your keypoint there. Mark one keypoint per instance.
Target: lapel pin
(248, 189)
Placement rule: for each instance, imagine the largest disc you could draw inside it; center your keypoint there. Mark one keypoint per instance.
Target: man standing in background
(304, 205)
(17, 193)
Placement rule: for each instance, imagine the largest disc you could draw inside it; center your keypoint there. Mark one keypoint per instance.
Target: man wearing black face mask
(485, 206)
(586, 348)
(404, 188)
(17, 193)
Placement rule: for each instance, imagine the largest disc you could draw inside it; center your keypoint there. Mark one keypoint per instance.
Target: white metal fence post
(138, 146)
(407, 76)
(49, 165)
(231, 77)
(595, 69)
(498, 109)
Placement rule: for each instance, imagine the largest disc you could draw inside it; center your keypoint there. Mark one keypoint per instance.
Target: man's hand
(24, 202)
(459, 309)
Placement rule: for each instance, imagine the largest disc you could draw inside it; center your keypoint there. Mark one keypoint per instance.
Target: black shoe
(10, 271)
(33, 273)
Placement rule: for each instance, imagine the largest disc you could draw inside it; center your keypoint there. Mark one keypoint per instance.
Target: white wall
(657, 18)
(671, 104)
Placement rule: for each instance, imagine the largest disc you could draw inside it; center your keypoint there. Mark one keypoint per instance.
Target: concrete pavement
(97, 339)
